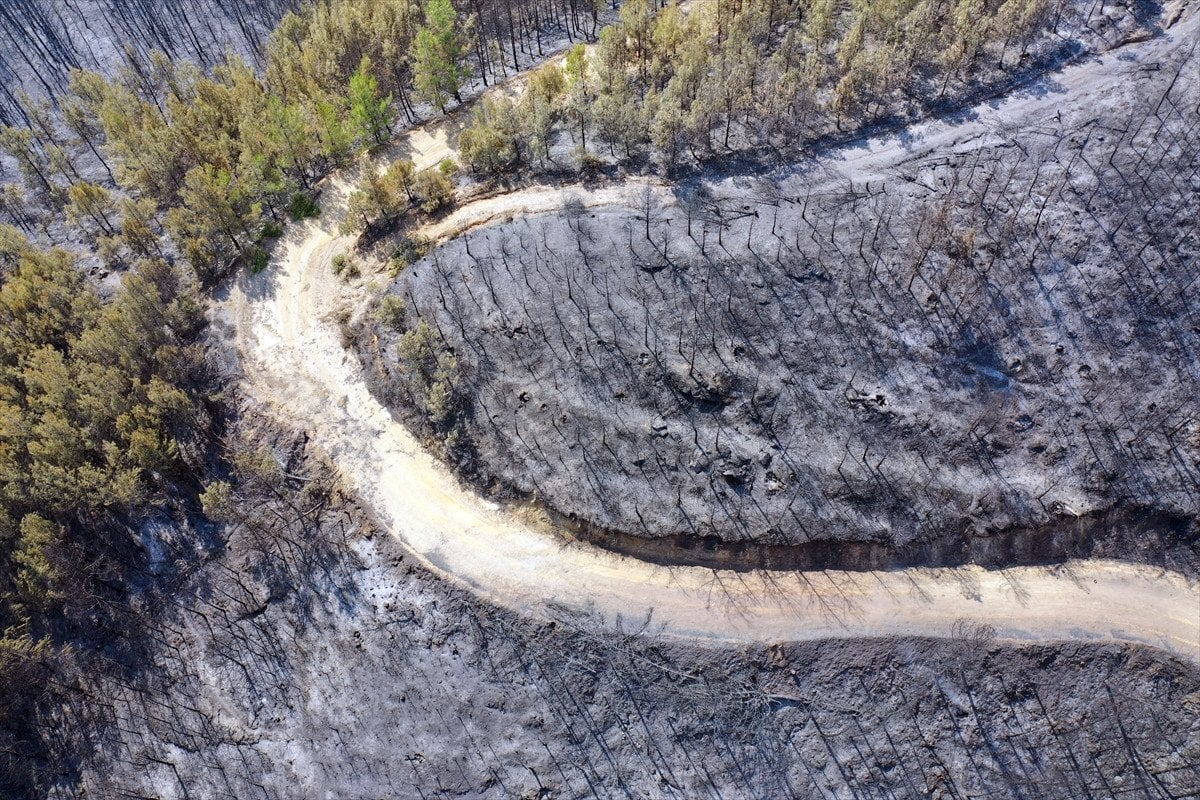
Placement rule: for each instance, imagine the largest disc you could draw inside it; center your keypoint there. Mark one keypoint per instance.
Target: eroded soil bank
(1140, 535)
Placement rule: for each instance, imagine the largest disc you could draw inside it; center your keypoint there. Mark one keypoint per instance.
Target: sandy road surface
(296, 368)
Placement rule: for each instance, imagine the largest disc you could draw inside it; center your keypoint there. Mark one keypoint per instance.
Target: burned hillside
(972, 339)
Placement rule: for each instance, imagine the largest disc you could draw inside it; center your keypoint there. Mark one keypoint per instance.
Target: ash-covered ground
(984, 346)
(309, 658)
(41, 41)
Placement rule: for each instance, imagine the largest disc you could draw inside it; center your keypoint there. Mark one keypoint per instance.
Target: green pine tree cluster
(95, 403)
(739, 74)
(219, 161)
(98, 418)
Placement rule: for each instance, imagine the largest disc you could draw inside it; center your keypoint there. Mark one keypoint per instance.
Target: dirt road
(284, 321)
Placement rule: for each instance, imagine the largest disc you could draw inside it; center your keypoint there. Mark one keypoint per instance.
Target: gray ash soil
(311, 659)
(988, 350)
(41, 41)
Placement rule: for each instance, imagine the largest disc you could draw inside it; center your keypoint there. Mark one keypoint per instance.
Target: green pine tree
(370, 114)
(440, 55)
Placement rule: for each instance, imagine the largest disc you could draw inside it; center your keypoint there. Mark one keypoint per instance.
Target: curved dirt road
(285, 325)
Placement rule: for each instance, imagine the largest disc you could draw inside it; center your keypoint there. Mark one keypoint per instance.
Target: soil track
(286, 323)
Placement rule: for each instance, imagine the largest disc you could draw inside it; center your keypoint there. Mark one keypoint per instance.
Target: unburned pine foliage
(772, 72)
(440, 54)
(94, 411)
